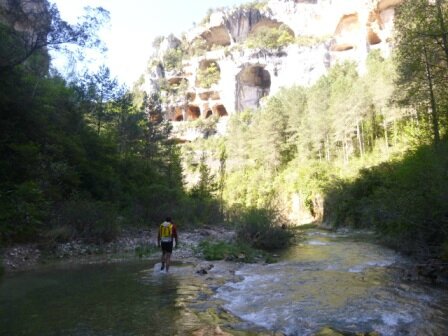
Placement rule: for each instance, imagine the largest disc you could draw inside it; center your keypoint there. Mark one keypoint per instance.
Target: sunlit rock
(225, 76)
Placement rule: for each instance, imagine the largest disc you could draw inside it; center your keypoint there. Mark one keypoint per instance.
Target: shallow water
(119, 299)
(340, 281)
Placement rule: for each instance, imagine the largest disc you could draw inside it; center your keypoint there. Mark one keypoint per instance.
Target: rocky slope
(324, 32)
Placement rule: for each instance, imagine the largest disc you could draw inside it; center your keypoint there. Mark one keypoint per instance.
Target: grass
(220, 250)
(146, 250)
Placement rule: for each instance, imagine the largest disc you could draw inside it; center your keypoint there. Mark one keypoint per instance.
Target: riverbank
(233, 298)
(141, 244)
(130, 244)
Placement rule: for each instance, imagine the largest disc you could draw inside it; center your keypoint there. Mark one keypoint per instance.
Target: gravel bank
(30, 256)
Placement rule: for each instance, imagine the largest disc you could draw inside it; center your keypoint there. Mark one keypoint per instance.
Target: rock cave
(386, 4)
(213, 95)
(372, 37)
(220, 110)
(193, 112)
(208, 114)
(218, 36)
(253, 82)
(346, 31)
(266, 23)
(178, 114)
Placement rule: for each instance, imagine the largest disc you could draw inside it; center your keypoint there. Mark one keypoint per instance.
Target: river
(339, 280)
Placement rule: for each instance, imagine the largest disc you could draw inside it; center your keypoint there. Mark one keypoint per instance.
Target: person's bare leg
(163, 260)
(167, 260)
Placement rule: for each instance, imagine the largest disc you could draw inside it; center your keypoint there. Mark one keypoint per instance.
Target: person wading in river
(165, 237)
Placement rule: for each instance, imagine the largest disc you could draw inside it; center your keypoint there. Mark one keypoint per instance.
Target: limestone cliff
(24, 24)
(220, 75)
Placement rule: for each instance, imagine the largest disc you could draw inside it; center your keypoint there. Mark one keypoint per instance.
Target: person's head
(168, 219)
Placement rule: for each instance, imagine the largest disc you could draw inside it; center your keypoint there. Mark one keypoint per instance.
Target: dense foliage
(72, 157)
(304, 135)
(373, 146)
(405, 200)
(351, 149)
(79, 160)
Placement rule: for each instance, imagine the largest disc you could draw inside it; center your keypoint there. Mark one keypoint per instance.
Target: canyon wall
(325, 32)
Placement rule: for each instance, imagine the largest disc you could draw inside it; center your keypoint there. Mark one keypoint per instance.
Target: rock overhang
(248, 76)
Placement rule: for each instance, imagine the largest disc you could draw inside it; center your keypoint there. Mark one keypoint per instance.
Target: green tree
(206, 186)
(422, 59)
(44, 30)
(101, 90)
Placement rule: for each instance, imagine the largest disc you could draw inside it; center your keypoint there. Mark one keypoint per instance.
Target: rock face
(326, 32)
(24, 15)
(25, 24)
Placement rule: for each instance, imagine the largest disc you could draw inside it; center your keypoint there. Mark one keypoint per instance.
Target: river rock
(327, 331)
(210, 331)
(204, 269)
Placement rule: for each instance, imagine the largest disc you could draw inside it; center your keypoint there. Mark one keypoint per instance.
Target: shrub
(405, 201)
(23, 210)
(145, 250)
(90, 220)
(221, 250)
(152, 203)
(199, 211)
(270, 38)
(208, 76)
(172, 60)
(198, 47)
(59, 234)
(265, 229)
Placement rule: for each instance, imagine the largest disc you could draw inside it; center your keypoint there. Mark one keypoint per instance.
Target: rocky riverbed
(129, 244)
(213, 295)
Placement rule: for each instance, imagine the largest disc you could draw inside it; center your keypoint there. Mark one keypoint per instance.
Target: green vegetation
(406, 201)
(172, 60)
(257, 230)
(257, 4)
(264, 229)
(145, 250)
(79, 159)
(198, 47)
(270, 38)
(208, 76)
(308, 41)
(360, 144)
(220, 250)
(82, 159)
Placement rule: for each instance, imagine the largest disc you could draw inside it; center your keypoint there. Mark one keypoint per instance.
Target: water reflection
(121, 299)
(328, 280)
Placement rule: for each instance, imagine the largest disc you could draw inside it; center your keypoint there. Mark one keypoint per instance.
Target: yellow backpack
(166, 232)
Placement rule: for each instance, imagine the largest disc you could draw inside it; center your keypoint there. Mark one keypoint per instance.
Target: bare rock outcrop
(227, 76)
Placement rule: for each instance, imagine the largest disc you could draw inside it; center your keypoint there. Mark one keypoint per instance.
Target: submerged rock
(327, 331)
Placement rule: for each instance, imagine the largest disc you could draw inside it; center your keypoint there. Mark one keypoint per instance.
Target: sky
(133, 26)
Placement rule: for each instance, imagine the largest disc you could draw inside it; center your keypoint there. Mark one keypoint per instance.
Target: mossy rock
(327, 331)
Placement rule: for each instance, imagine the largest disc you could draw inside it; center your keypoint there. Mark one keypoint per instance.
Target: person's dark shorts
(167, 247)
